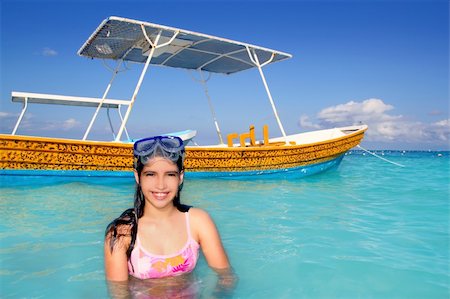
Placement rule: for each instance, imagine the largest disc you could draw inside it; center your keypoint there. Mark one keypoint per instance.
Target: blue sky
(383, 63)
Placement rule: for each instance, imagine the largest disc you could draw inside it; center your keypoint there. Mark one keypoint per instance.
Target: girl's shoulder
(198, 213)
(204, 229)
(200, 218)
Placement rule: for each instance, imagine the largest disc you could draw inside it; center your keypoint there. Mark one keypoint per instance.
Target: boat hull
(267, 158)
(25, 155)
(292, 172)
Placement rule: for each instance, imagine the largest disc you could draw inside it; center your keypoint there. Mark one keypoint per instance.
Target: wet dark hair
(127, 223)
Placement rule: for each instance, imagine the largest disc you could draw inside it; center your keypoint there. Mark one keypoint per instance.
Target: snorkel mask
(168, 147)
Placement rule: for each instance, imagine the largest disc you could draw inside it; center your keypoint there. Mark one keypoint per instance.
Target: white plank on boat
(41, 98)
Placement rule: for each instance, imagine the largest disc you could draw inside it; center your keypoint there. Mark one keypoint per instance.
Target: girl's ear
(181, 177)
(136, 176)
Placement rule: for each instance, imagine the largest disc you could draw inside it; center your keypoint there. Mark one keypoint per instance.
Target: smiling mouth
(160, 195)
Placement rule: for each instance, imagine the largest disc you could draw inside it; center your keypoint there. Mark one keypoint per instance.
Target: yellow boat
(239, 155)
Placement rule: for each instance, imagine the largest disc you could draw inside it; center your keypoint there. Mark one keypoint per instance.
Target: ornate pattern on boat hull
(270, 157)
(58, 154)
(21, 152)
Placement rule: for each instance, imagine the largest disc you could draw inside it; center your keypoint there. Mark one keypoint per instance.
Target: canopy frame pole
(154, 45)
(24, 108)
(211, 107)
(101, 103)
(110, 123)
(121, 118)
(254, 58)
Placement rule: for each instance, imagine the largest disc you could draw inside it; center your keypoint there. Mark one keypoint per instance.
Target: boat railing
(250, 136)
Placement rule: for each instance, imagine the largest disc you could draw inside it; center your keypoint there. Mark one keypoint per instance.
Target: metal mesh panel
(118, 38)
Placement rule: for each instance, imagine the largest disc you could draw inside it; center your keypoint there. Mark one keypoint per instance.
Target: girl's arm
(215, 255)
(116, 262)
(209, 239)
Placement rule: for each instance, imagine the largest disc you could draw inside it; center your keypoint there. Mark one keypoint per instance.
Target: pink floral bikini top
(147, 265)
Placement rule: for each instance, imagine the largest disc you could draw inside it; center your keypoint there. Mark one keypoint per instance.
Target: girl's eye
(149, 174)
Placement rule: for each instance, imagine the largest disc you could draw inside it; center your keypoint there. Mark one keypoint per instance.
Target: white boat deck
(303, 138)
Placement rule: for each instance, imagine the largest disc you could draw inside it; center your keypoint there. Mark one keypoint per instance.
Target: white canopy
(120, 38)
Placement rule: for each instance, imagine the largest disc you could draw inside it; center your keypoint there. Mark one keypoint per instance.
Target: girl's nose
(161, 183)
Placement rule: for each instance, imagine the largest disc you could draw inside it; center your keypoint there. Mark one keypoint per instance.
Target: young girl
(160, 237)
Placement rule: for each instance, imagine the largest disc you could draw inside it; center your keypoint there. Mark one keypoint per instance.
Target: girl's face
(159, 180)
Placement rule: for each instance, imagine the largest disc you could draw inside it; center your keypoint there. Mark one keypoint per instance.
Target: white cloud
(442, 123)
(440, 130)
(65, 125)
(49, 52)
(7, 121)
(435, 112)
(304, 122)
(70, 123)
(356, 112)
(31, 125)
(5, 115)
(383, 126)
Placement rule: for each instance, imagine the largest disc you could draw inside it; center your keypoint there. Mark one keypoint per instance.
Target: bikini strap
(137, 242)
(188, 226)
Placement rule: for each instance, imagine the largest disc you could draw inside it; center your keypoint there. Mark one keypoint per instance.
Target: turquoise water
(368, 229)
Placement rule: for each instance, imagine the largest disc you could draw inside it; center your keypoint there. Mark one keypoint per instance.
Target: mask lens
(171, 144)
(144, 147)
